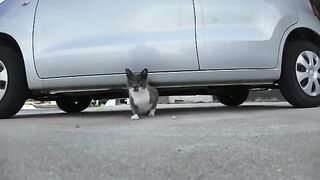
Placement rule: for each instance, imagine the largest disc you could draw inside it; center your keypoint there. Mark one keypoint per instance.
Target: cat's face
(137, 80)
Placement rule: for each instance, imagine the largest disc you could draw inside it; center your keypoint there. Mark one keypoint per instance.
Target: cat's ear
(144, 73)
(129, 73)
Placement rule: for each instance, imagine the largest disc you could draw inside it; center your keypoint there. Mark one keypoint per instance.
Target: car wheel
(72, 105)
(235, 98)
(13, 83)
(300, 76)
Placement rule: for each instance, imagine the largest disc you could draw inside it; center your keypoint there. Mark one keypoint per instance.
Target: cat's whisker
(126, 91)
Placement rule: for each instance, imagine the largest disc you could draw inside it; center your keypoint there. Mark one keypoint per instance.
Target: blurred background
(254, 96)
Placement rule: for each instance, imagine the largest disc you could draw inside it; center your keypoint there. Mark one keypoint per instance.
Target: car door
(100, 37)
(241, 34)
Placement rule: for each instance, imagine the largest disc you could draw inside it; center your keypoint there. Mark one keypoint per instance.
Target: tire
(298, 90)
(13, 82)
(72, 105)
(235, 98)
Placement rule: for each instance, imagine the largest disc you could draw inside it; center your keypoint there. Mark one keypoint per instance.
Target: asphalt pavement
(193, 141)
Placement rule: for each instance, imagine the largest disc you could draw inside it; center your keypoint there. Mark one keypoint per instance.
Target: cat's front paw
(152, 112)
(135, 117)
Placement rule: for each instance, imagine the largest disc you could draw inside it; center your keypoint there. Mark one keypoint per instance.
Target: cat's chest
(140, 97)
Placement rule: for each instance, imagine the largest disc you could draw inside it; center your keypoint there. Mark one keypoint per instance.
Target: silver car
(76, 50)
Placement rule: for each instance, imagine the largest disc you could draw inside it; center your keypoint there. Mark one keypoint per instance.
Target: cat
(143, 97)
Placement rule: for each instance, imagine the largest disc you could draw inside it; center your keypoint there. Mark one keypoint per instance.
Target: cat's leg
(134, 110)
(154, 96)
(152, 112)
(153, 108)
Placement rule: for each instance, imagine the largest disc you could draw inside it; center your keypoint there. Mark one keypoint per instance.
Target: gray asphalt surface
(202, 141)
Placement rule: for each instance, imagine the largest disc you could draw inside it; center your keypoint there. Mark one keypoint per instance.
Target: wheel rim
(308, 73)
(3, 80)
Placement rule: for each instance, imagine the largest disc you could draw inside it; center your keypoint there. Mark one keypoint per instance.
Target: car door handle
(25, 2)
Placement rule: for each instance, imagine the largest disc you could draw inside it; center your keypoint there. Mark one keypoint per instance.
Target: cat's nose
(135, 89)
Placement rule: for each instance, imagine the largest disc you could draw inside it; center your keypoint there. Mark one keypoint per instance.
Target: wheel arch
(7, 40)
(303, 33)
(296, 34)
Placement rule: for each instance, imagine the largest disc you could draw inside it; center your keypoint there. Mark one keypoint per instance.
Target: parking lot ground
(187, 141)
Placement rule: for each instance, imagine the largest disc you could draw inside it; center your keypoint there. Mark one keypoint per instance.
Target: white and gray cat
(143, 97)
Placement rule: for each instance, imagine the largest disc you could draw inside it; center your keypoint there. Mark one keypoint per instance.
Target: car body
(81, 48)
